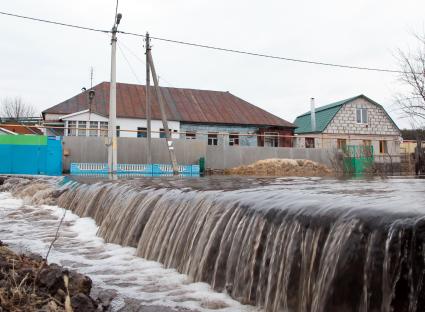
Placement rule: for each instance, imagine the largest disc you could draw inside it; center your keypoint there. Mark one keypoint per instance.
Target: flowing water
(278, 244)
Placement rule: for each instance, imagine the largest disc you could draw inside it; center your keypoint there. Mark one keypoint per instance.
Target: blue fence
(143, 169)
(31, 155)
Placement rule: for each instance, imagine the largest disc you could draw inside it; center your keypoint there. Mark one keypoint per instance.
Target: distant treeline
(409, 134)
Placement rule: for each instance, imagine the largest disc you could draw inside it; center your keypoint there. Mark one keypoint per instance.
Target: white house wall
(127, 124)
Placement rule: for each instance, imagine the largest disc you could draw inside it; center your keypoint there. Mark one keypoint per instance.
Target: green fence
(358, 158)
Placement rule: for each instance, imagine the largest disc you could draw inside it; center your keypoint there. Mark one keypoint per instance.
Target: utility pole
(112, 129)
(91, 94)
(148, 103)
(163, 115)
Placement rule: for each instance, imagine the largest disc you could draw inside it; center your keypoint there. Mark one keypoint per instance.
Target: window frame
(94, 133)
(383, 147)
(362, 115)
(212, 138)
(71, 130)
(102, 131)
(341, 143)
(190, 135)
(310, 142)
(142, 132)
(82, 130)
(272, 137)
(234, 139)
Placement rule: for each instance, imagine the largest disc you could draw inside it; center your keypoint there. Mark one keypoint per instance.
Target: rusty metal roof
(185, 105)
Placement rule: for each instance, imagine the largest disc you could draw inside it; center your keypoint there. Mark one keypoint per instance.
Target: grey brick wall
(345, 120)
(203, 128)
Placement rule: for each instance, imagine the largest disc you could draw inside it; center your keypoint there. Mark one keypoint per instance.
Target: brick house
(354, 121)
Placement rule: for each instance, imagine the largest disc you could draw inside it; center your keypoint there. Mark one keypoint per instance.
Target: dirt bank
(27, 283)
(282, 167)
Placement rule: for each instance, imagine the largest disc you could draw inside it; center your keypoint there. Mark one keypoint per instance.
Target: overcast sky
(46, 64)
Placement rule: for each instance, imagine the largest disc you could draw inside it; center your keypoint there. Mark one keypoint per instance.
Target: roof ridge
(333, 104)
(179, 88)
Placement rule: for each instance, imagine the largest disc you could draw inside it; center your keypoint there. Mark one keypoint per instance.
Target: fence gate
(357, 158)
(30, 154)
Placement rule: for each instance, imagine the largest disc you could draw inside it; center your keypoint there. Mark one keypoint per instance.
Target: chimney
(313, 115)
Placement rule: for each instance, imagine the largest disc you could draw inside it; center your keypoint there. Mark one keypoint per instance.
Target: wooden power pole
(163, 115)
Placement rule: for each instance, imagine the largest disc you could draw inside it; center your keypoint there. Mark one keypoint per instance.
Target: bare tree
(412, 65)
(16, 108)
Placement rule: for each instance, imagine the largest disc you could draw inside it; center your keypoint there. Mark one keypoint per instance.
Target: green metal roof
(325, 114)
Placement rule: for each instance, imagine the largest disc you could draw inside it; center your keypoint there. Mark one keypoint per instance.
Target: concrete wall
(130, 150)
(133, 151)
(223, 157)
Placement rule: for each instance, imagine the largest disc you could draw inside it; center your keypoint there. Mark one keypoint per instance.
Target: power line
(128, 63)
(121, 44)
(265, 55)
(216, 48)
(54, 22)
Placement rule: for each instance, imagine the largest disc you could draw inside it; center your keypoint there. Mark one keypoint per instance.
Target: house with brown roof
(192, 114)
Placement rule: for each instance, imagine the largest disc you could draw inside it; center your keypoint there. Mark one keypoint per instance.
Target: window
(383, 149)
(271, 139)
(142, 132)
(341, 143)
(309, 142)
(82, 125)
(103, 128)
(212, 138)
(162, 133)
(72, 125)
(118, 130)
(361, 115)
(190, 135)
(93, 128)
(233, 139)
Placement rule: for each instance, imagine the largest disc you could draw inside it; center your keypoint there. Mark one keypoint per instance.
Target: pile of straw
(282, 167)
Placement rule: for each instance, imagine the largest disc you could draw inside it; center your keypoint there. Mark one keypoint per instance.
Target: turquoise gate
(30, 154)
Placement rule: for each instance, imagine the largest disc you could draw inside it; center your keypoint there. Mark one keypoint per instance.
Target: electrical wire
(129, 65)
(265, 55)
(142, 62)
(54, 22)
(198, 45)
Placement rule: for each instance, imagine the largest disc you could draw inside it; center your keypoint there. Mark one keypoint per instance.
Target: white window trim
(361, 116)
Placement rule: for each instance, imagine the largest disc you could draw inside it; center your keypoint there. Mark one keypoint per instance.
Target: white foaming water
(110, 266)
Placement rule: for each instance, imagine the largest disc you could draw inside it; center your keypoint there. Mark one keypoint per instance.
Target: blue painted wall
(204, 128)
(32, 159)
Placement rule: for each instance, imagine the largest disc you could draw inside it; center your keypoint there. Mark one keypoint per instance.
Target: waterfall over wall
(273, 246)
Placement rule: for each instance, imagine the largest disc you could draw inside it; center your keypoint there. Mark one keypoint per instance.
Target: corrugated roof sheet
(187, 105)
(325, 114)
